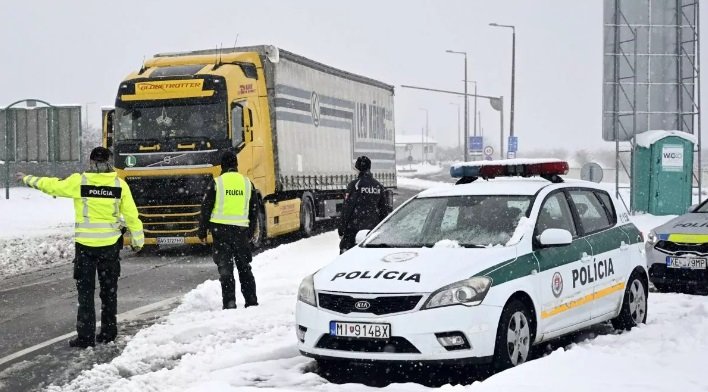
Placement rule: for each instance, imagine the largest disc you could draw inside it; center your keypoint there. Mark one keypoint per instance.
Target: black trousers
(104, 260)
(348, 241)
(232, 246)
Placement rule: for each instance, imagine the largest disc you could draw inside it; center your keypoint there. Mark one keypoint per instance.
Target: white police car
(479, 272)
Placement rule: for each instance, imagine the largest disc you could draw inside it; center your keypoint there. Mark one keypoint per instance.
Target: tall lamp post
(459, 134)
(467, 125)
(513, 69)
(423, 139)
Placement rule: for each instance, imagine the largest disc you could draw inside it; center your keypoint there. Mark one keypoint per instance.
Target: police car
(677, 252)
(479, 272)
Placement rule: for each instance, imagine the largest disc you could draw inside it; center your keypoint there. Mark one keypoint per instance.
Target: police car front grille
(380, 305)
(395, 344)
(678, 248)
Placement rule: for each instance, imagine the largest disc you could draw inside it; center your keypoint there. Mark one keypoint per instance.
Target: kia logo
(362, 305)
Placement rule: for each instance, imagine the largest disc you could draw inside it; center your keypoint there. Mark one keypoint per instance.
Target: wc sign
(672, 158)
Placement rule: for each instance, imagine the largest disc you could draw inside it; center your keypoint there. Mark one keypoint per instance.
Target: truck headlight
(469, 292)
(652, 238)
(306, 292)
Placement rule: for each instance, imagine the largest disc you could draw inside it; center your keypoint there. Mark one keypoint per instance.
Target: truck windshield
(467, 221)
(171, 121)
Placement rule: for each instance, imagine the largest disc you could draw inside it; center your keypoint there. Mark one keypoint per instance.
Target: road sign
(591, 171)
(476, 143)
(488, 151)
(513, 144)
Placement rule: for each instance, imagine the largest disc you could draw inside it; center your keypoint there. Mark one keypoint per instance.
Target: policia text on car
(229, 211)
(103, 206)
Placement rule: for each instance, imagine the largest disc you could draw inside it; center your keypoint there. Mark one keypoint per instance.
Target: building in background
(415, 149)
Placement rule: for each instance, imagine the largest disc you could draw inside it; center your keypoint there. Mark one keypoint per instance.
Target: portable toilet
(662, 172)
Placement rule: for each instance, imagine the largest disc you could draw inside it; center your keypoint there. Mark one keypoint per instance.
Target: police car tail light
(469, 292)
(547, 168)
(454, 340)
(306, 292)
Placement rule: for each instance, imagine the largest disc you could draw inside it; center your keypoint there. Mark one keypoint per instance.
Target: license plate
(170, 240)
(360, 330)
(686, 262)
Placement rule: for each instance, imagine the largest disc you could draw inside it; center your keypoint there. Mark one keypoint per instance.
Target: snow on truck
(296, 125)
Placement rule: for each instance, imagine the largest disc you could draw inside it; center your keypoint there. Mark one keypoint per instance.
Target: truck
(297, 126)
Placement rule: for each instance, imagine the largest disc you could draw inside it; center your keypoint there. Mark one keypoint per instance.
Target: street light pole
(423, 137)
(467, 125)
(459, 134)
(513, 72)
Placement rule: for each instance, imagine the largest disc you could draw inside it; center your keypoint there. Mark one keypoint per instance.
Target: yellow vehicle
(296, 125)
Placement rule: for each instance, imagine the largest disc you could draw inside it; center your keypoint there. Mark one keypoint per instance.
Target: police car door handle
(624, 246)
(586, 258)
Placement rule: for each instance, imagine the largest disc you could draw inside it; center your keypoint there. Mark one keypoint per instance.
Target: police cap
(100, 155)
(363, 163)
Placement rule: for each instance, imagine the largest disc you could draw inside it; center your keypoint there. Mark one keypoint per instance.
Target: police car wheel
(307, 217)
(514, 336)
(634, 305)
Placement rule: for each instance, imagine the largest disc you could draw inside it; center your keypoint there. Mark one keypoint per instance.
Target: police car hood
(691, 223)
(406, 270)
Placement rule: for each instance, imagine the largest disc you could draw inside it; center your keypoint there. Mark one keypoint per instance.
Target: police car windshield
(471, 221)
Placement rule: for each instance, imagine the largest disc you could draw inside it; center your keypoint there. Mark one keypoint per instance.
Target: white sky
(78, 51)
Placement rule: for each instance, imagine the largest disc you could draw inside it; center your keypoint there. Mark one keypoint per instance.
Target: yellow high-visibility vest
(103, 203)
(233, 195)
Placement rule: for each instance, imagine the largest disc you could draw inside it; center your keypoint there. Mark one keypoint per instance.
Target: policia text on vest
(230, 211)
(103, 206)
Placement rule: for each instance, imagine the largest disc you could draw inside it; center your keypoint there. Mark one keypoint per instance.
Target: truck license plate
(685, 262)
(170, 240)
(360, 330)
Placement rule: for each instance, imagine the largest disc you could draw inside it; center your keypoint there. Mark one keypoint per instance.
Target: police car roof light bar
(550, 169)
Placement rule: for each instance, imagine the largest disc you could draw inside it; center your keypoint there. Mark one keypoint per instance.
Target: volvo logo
(362, 305)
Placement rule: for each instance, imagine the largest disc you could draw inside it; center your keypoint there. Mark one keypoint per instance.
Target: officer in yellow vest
(229, 211)
(103, 205)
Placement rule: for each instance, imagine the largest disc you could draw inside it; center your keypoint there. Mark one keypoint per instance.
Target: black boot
(81, 343)
(104, 338)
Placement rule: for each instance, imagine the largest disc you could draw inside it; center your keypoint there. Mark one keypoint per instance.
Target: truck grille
(380, 305)
(678, 248)
(169, 206)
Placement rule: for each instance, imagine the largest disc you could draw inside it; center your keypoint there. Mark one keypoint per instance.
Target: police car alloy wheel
(634, 305)
(478, 273)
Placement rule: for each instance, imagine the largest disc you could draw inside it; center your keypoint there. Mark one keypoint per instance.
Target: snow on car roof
(498, 186)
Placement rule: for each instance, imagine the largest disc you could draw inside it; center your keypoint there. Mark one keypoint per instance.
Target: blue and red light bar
(546, 168)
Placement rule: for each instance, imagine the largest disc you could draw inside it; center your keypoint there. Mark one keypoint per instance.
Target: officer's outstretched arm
(68, 187)
(130, 214)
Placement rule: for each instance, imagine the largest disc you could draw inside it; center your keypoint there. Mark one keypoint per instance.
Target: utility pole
(467, 126)
(513, 72)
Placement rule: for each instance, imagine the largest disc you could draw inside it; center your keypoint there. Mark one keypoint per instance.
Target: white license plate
(360, 330)
(686, 262)
(170, 240)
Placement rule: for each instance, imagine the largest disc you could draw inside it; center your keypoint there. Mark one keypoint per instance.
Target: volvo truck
(296, 125)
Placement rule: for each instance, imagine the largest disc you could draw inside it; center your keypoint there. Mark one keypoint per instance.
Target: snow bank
(36, 231)
(419, 169)
(418, 184)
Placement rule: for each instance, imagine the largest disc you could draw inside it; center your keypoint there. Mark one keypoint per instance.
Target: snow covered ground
(36, 231)
(418, 169)
(199, 347)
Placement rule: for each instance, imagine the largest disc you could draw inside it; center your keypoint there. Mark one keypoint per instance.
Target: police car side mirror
(555, 237)
(361, 235)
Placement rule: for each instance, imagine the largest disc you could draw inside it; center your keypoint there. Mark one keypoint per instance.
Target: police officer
(230, 212)
(103, 204)
(365, 205)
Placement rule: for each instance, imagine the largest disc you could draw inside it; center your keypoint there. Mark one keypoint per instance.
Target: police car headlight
(306, 292)
(469, 292)
(652, 238)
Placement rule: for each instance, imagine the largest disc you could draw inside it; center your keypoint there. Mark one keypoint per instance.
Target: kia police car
(479, 272)
(677, 252)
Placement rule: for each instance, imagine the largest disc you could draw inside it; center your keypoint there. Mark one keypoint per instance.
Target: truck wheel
(307, 217)
(514, 333)
(634, 304)
(259, 232)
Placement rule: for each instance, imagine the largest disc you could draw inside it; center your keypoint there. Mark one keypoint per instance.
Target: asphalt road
(38, 307)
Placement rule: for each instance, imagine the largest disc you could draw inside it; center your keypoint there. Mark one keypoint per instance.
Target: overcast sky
(78, 51)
